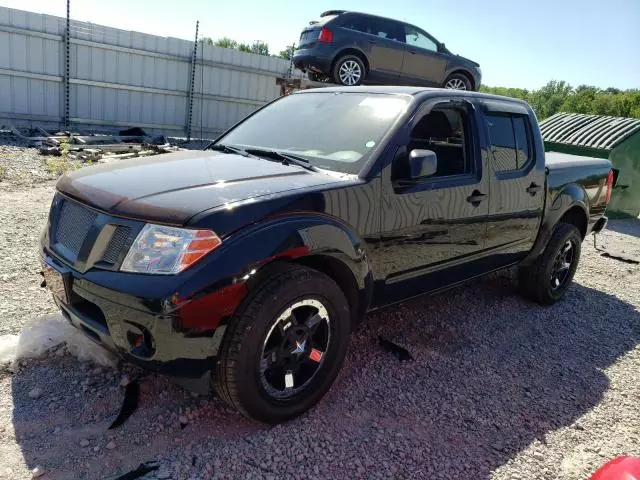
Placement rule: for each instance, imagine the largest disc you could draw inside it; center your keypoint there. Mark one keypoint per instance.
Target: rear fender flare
(570, 196)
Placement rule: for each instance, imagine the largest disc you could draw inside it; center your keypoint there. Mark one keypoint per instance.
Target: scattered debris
(37, 472)
(621, 256)
(129, 404)
(142, 470)
(400, 352)
(133, 132)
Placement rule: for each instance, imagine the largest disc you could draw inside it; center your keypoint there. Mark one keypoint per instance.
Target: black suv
(351, 48)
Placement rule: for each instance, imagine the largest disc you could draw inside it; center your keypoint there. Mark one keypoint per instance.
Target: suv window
(445, 131)
(510, 141)
(375, 26)
(416, 38)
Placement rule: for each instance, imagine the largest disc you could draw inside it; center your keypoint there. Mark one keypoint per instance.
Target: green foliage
(258, 47)
(287, 53)
(559, 96)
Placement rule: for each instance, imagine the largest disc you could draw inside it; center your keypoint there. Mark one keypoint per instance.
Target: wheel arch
(351, 51)
(466, 73)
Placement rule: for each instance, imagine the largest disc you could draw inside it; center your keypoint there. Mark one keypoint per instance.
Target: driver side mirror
(422, 163)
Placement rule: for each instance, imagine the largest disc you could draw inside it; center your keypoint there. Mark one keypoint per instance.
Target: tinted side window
(357, 23)
(416, 38)
(503, 142)
(510, 141)
(523, 152)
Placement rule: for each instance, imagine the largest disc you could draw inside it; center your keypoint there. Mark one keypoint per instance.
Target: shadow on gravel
(491, 375)
(627, 226)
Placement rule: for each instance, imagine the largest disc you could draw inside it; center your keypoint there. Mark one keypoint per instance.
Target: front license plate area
(56, 283)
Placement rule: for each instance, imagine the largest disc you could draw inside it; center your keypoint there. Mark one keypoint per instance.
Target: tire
(548, 279)
(266, 396)
(345, 64)
(458, 81)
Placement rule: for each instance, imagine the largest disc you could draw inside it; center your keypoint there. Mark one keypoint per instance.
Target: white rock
(163, 474)
(35, 392)
(111, 445)
(84, 442)
(37, 472)
(125, 381)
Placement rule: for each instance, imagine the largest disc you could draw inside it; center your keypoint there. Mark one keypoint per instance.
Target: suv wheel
(457, 81)
(548, 279)
(285, 348)
(349, 70)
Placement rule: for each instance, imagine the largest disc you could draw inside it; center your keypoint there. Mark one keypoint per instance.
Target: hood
(171, 188)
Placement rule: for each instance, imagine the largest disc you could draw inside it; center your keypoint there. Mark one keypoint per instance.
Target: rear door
(423, 64)
(517, 182)
(382, 41)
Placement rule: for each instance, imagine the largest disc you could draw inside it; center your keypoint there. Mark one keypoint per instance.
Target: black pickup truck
(245, 266)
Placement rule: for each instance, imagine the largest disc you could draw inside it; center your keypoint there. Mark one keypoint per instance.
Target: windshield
(334, 131)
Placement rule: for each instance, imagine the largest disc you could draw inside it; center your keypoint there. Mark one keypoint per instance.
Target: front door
(433, 229)
(423, 64)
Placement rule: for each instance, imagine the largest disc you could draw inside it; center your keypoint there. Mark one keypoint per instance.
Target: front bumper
(155, 338)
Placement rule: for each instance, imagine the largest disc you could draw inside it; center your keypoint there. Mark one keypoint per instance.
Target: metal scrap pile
(133, 142)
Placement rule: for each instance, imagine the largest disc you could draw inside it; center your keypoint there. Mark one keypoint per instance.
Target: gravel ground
(499, 388)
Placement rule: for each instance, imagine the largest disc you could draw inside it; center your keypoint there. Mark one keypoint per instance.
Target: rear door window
(510, 141)
(375, 26)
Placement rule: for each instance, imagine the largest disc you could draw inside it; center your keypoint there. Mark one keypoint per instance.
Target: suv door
(517, 182)
(423, 64)
(433, 228)
(382, 42)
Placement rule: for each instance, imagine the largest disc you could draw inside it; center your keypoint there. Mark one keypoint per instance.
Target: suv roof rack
(331, 12)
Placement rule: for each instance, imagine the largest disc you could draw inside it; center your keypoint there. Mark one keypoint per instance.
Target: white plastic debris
(44, 333)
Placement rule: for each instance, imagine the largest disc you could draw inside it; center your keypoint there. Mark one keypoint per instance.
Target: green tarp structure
(615, 138)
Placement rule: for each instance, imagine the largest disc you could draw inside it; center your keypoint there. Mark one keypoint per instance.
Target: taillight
(326, 35)
(607, 199)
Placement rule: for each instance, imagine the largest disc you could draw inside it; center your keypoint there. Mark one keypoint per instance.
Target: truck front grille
(72, 226)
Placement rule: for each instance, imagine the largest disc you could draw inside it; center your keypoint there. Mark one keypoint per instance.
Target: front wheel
(457, 81)
(349, 70)
(547, 280)
(285, 347)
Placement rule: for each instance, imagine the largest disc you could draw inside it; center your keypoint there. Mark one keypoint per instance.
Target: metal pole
(192, 80)
(67, 58)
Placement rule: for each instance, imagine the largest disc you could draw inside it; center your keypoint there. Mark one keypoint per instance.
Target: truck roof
(412, 91)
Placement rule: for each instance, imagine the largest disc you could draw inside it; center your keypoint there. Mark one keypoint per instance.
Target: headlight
(168, 250)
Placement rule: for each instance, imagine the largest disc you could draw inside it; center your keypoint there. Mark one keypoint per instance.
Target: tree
(259, 47)
(287, 53)
(226, 42)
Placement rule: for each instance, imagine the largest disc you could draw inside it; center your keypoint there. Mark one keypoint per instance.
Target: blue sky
(518, 43)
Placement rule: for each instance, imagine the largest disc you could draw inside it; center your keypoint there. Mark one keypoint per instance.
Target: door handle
(372, 42)
(533, 189)
(412, 52)
(476, 197)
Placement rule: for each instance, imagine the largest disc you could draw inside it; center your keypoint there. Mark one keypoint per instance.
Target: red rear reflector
(609, 187)
(326, 35)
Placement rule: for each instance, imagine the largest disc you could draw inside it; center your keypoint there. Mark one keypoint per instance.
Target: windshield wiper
(221, 147)
(287, 158)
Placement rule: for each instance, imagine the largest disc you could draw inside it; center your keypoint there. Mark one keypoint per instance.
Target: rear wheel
(549, 278)
(349, 70)
(458, 81)
(285, 348)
